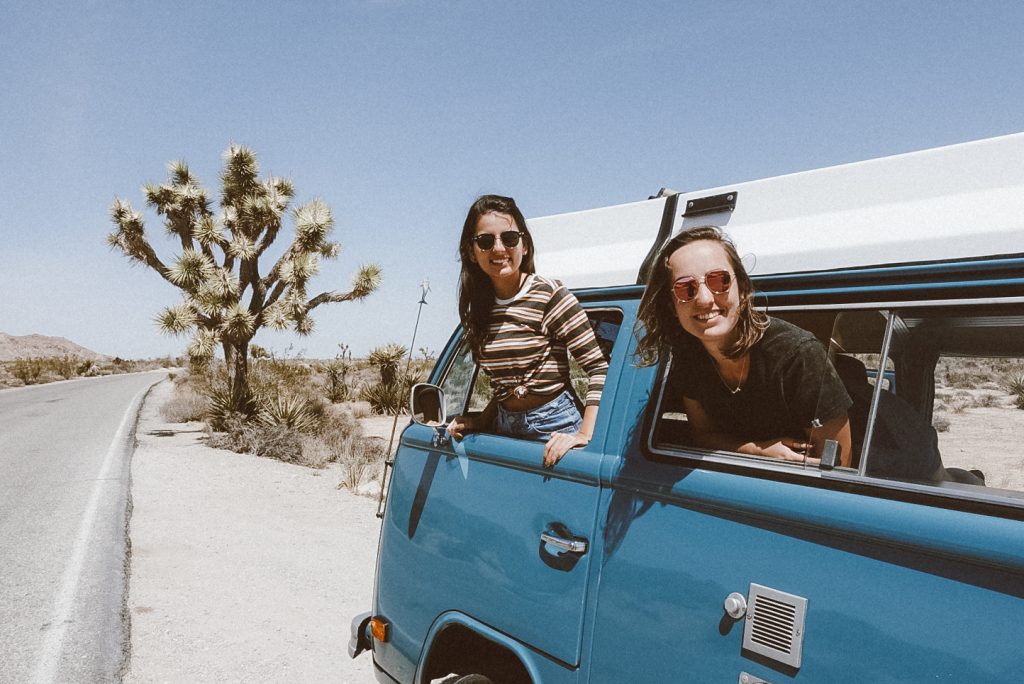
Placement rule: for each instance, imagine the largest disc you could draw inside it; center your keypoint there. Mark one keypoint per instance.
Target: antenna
(389, 460)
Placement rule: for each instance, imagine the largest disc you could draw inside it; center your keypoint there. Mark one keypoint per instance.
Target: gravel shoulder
(242, 568)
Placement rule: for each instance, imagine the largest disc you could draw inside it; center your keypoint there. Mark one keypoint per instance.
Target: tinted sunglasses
(686, 288)
(509, 238)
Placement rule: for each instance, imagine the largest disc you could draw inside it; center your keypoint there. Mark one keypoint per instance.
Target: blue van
(642, 558)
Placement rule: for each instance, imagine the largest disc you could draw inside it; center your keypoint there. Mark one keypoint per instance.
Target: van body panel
(469, 515)
(876, 611)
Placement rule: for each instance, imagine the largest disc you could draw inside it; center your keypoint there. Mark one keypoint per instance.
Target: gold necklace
(739, 383)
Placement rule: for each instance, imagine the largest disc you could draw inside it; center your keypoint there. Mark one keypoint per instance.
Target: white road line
(48, 658)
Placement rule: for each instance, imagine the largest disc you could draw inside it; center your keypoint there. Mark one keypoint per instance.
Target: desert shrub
(1015, 386)
(315, 453)
(28, 370)
(387, 359)
(343, 441)
(335, 373)
(185, 405)
(294, 412)
(969, 373)
(65, 366)
(360, 411)
(387, 399)
(279, 442)
(1015, 383)
(960, 405)
(940, 422)
(280, 375)
(226, 403)
(986, 400)
(6, 379)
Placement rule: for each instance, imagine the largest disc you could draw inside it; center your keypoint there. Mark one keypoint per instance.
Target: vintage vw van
(642, 558)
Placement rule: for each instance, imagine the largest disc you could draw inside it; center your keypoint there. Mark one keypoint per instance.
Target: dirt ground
(242, 568)
(988, 439)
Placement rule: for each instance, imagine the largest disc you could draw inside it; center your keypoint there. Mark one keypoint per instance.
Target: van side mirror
(426, 403)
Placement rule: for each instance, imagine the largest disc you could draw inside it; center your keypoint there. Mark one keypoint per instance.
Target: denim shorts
(558, 415)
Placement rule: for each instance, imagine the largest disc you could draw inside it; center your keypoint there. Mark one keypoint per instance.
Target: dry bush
(356, 453)
(1015, 385)
(279, 442)
(6, 379)
(361, 457)
(941, 422)
(986, 400)
(968, 373)
(185, 405)
(294, 412)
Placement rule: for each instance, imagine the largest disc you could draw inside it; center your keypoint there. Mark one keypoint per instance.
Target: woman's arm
(838, 429)
(560, 442)
(461, 425)
(705, 435)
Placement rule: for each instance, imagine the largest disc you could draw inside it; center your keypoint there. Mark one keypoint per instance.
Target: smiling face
(500, 263)
(710, 318)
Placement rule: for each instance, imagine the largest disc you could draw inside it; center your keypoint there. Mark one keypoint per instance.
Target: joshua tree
(387, 359)
(226, 297)
(389, 395)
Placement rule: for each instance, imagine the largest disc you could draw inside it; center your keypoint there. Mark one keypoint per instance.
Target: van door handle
(570, 545)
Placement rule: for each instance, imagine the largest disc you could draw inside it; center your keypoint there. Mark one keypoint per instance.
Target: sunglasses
(686, 288)
(509, 238)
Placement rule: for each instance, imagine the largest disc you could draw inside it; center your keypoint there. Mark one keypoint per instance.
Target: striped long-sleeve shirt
(528, 336)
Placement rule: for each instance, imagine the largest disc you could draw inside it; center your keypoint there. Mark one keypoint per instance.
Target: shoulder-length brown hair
(658, 328)
(476, 292)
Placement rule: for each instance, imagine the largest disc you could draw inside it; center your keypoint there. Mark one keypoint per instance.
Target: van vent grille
(775, 625)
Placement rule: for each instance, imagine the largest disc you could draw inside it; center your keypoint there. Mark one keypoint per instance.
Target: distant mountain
(13, 347)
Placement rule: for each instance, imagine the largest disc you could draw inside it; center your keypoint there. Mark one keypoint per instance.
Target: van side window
(468, 390)
(964, 369)
(789, 392)
(941, 405)
(457, 381)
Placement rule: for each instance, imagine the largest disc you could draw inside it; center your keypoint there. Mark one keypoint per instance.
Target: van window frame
(1002, 503)
(457, 344)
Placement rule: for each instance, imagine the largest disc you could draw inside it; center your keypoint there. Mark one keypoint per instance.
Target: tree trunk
(238, 367)
(229, 357)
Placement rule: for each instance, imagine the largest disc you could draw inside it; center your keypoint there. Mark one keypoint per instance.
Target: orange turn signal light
(379, 629)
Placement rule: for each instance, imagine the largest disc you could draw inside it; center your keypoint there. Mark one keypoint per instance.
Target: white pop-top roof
(951, 202)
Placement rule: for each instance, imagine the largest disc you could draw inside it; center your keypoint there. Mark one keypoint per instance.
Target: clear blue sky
(400, 113)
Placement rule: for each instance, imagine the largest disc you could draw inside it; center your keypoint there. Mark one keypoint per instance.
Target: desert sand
(242, 568)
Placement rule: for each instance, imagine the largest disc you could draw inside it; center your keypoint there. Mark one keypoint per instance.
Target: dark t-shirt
(790, 384)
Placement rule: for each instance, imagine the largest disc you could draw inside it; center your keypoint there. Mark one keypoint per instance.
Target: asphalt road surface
(64, 457)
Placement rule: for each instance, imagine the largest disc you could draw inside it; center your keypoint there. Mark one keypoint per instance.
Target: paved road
(64, 454)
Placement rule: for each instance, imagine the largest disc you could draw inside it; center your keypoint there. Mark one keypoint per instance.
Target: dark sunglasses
(686, 288)
(509, 238)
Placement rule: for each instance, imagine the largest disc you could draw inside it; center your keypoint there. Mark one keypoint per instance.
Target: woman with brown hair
(520, 328)
(749, 383)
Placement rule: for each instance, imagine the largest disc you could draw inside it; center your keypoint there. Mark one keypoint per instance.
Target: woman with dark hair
(520, 328)
(749, 383)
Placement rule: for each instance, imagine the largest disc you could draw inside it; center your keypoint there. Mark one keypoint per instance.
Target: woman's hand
(787, 449)
(559, 443)
(461, 425)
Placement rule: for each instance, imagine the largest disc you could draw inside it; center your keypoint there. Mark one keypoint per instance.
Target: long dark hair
(657, 327)
(476, 292)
